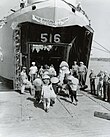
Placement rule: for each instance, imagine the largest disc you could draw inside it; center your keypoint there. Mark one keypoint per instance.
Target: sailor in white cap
(92, 77)
(47, 93)
(33, 72)
(82, 71)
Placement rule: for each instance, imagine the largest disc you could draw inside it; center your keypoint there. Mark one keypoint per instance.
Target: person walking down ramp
(47, 93)
(73, 86)
(38, 88)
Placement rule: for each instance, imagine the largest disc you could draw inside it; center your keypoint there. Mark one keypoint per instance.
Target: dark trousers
(105, 90)
(108, 93)
(38, 95)
(82, 78)
(92, 86)
(73, 95)
(75, 74)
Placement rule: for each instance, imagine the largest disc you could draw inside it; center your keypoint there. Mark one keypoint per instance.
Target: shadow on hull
(5, 84)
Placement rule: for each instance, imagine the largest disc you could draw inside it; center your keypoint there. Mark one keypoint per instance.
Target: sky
(98, 12)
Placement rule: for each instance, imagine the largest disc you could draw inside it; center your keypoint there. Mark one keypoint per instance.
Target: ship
(44, 31)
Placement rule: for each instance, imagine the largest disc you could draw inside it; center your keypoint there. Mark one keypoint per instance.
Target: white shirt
(22, 1)
(23, 75)
(74, 84)
(52, 71)
(48, 91)
(33, 70)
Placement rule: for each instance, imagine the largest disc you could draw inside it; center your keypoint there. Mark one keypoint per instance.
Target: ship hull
(44, 33)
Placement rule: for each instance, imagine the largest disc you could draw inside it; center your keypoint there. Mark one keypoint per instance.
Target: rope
(102, 46)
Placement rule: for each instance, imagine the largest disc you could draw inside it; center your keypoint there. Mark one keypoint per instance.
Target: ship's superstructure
(47, 32)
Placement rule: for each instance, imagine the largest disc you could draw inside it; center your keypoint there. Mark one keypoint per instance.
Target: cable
(101, 49)
(101, 46)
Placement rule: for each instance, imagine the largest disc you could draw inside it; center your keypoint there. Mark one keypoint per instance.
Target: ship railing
(79, 9)
(74, 9)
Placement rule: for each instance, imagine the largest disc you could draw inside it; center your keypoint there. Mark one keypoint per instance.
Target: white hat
(67, 71)
(64, 63)
(46, 73)
(81, 62)
(45, 77)
(24, 67)
(33, 63)
(54, 80)
(75, 61)
(64, 68)
(70, 78)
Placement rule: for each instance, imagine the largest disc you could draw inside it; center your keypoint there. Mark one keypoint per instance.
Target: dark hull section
(74, 44)
(51, 32)
(5, 84)
(81, 47)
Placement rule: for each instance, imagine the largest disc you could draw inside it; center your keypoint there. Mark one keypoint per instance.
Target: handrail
(79, 9)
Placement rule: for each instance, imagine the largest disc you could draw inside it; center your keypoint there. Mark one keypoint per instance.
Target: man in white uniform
(33, 72)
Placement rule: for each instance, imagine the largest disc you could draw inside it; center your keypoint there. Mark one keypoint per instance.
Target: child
(47, 93)
(73, 86)
(38, 88)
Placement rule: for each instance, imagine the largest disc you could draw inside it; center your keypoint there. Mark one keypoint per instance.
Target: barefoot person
(47, 93)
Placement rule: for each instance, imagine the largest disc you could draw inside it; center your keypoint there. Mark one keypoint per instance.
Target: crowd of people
(102, 89)
(46, 83)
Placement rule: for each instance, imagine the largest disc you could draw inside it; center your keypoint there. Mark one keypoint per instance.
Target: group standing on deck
(102, 89)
